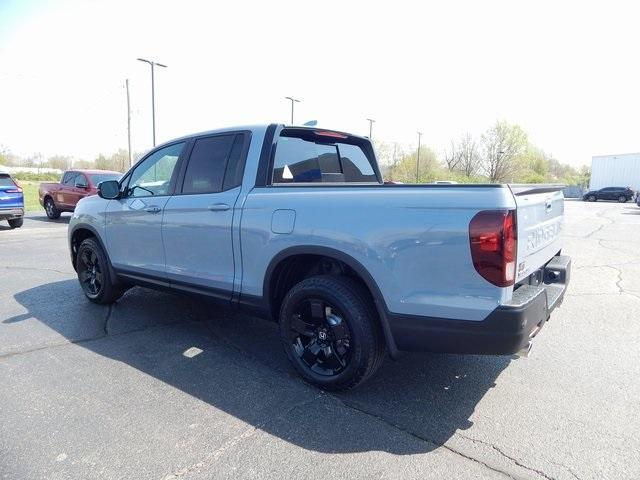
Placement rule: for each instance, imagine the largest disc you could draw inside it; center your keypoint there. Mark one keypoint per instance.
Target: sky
(567, 72)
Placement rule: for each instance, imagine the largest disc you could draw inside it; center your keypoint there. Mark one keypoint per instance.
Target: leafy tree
(118, 161)
(502, 145)
(405, 168)
(452, 157)
(61, 162)
(7, 158)
(470, 160)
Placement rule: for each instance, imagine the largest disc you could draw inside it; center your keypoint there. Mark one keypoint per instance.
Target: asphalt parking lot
(162, 386)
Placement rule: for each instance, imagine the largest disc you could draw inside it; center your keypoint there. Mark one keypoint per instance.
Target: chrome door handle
(219, 207)
(154, 209)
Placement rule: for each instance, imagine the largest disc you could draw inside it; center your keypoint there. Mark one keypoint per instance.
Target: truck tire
(330, 332)
(92, 266)
(16, 222)
(50, 208)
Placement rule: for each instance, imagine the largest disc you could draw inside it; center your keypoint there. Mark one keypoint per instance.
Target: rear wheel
(330, 332)
(622, 199)
(93, 273)
(16, 222)
(50, 208)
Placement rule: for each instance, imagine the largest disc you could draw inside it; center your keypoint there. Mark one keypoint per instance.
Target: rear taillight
(492, 235)
(18, 189)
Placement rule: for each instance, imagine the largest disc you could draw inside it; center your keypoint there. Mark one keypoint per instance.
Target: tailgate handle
(547, 205)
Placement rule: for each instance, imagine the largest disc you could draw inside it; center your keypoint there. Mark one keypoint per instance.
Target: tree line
(117, 161)
(502, 154)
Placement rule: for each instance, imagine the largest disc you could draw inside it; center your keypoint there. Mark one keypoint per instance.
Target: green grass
(30, 191)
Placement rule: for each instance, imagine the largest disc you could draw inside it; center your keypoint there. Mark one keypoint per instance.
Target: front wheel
(16, 222)
(50, 208)
(592, 198)
(622, 199)
(330, 332)
(93, 273)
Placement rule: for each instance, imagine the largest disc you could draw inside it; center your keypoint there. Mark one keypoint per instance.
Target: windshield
(96, 178)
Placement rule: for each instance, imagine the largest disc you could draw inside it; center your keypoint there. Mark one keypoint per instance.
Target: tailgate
(539, 216)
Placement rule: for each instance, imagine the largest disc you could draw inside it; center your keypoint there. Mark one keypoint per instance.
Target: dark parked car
(621, 194)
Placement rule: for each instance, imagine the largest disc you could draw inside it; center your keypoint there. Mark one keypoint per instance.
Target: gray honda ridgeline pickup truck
(296, 224)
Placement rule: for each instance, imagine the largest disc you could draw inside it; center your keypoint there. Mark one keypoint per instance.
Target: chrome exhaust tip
(524, 351)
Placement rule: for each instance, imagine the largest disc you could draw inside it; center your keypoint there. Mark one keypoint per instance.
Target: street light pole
(371, 122)
(128, 122)
(153, 94)
(418, 160)
(293, 101)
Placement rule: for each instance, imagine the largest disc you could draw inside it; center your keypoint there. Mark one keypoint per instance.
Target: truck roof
(252, 128)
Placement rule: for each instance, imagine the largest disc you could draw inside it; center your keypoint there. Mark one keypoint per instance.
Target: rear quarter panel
(47, 188)
(414, 241)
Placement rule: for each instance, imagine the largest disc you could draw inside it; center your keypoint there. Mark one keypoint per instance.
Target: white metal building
(615, 171)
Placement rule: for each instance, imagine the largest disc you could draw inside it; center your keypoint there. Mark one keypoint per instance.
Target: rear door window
(208, 162)
(303, 160)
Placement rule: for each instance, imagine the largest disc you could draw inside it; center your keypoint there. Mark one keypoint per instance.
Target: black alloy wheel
(331, 333)
(320, 337)
(90, 272)
(96, 280)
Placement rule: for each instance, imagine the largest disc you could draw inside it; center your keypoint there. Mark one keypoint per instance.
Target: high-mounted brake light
(493, 240)
(325, 133)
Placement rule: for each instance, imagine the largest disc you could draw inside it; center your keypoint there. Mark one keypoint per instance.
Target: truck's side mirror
(109, 189)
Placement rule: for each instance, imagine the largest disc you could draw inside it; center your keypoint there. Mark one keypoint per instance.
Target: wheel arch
(81, 232)
(280, 262)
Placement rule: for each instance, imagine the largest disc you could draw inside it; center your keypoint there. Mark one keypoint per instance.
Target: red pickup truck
(75, 184)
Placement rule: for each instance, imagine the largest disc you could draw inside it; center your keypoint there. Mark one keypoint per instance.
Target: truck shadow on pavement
(63, 220)
(235, 363)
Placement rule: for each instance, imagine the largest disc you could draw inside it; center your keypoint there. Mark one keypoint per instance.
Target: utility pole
(293, 101)
(128, 122)
(153, 96)
(371, 122)
(418, 160)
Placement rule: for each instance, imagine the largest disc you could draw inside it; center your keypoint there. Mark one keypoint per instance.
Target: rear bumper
(507, 330)
(10, 213)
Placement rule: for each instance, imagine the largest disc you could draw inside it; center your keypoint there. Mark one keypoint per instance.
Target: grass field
(30, 190)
